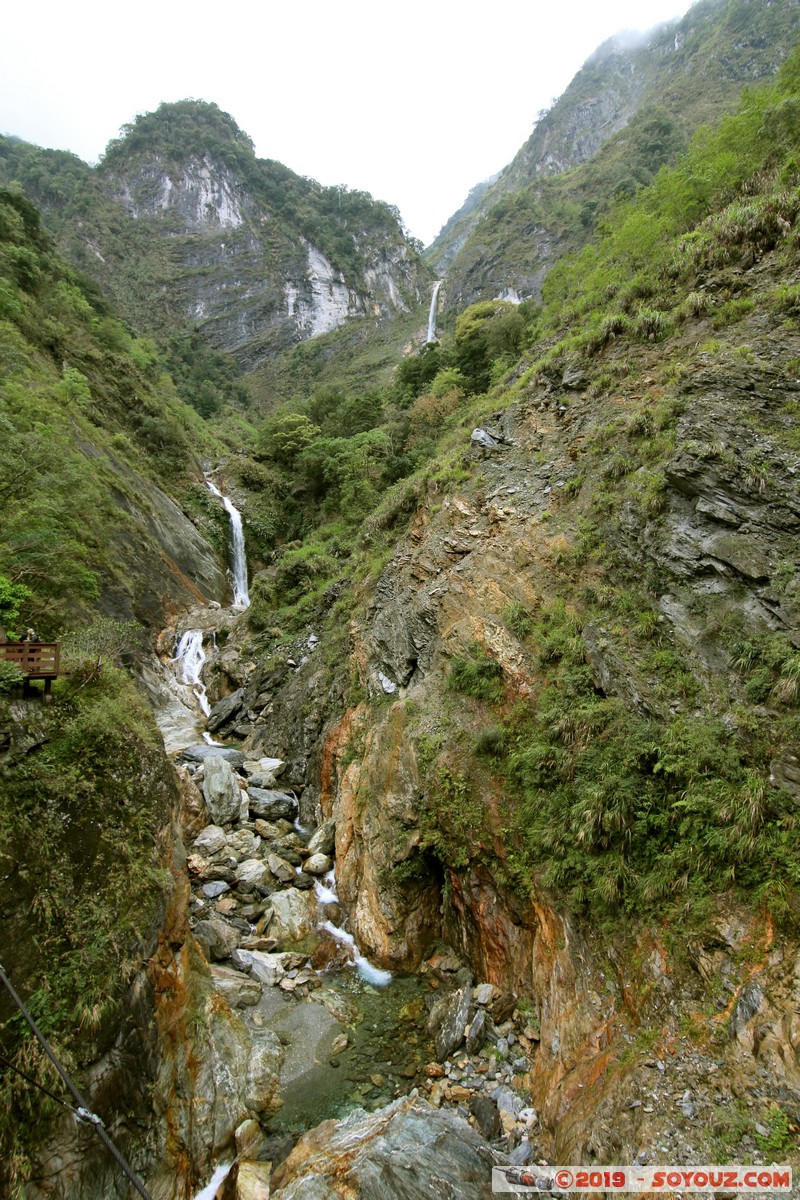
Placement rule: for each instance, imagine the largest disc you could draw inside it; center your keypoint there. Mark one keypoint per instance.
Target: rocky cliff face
(185, 228)
(634, 1027)
(250, 282)
(692, 70)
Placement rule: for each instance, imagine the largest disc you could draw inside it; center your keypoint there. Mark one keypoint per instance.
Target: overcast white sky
(415, 102)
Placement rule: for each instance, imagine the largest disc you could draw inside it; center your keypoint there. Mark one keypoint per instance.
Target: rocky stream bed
(351, 1042)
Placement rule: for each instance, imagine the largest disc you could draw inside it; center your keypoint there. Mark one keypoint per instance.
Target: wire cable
(83, 1112)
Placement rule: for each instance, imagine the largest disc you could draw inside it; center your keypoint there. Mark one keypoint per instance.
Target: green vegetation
(82, 405)
(79, 814)
(685, 76)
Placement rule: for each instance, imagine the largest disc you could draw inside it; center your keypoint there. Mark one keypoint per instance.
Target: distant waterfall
(431, 335)
(188, 663)
(241, 596)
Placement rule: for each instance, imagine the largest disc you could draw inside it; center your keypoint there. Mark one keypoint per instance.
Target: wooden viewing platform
(36, 660)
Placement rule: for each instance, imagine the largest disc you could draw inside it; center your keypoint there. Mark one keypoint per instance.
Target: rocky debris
(401, 1151)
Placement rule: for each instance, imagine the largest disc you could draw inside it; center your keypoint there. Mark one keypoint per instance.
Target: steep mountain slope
(631, 108)
(92, 435)
(531, 660)
(566, 733)
(186, 229)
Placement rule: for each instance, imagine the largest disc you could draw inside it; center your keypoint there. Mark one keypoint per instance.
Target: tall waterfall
(188, 663)
(241, 596)
(431, 334)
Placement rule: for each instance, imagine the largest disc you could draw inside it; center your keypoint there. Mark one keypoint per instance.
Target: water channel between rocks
(387, 1047)
(310, 1030)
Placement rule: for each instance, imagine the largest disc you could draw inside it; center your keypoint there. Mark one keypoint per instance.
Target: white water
(241, 595)
(325, 889)
(188, 663)
(431, 335)
(370, 974)
(216, 1179)
(326, 894)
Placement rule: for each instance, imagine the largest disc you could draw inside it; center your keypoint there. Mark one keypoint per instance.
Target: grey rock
(507, 1101)
(448, 1020)
(294, 915)
(487, 1117)
(223, 712)
(280, 868)
(747, 1005)
(201, 754)
(521, 1154)
(250, 1140)
(216, 938)
(318, 864)
(271, 805)
(484, 993)
(406, 1151)
(303, 881)
(221, 791)
(241, 991)
(323, 839)
(216, 888)
(484, 440)
(244, 843)
(210, 840)
(254, 872)
(264, 767)
(476, 1037)
(270, 969)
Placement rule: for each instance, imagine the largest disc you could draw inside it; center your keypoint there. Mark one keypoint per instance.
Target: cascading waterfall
(241, 596)
(431, 335)
(326, 894)
(188, 663)
(210, 1190)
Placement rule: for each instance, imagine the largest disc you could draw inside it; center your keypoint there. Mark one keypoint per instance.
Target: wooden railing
(36, 660)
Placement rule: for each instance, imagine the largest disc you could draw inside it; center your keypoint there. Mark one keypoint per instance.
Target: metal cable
(84, 1113)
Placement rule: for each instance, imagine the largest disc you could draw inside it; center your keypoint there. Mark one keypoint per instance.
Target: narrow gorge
(412, 807)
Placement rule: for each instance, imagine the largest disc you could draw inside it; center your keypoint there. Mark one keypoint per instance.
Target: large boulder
(225, 711)
(255, 872)
(216, 937)
(240, 1073)
(211, 840)
(448, 1020)
(280, 868)
(323, 839)
(221, 791)
(271, 805)
(241, 991)
(406, 1151)
(294, 915)
(201, 754)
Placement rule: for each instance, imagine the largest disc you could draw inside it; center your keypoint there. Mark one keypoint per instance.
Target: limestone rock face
(243, 269)
(406, 1151)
